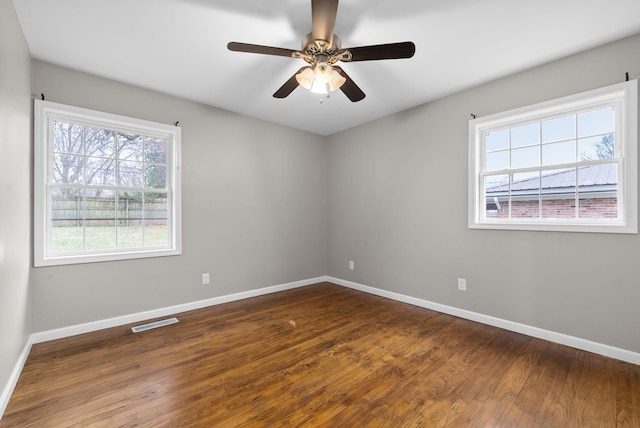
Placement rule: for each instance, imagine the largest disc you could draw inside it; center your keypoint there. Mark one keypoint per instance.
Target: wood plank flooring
(321, 355)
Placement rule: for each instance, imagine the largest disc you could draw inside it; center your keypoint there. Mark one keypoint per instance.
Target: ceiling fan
(322, 49)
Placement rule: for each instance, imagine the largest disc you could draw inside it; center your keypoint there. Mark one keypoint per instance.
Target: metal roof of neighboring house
(591, 178)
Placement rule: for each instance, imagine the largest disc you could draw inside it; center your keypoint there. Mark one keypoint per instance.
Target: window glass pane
(559, 208)
(497, 183)
(559, 181)
(156, 228)
(66, 219)
(525, 195)
(155, 176)
(597, 189)
(100, 142)
(526, 157)
(497, 140)
(559, 194)
(155, 150)
(68, 169)
(100, 171)
(130, 174)
(597, 147)
(130, 236)
(130, 220)
(562, 128)
(130, 147)
(99, 212)
(596, 122)
(497, 161)
(525, 135)
(557, 153)
(67, 138)
(497, 196)
(525, 182)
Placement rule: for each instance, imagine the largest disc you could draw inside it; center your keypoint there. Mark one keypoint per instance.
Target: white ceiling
(179, 47)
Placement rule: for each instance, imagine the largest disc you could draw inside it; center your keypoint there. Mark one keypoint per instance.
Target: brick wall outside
(591, 208)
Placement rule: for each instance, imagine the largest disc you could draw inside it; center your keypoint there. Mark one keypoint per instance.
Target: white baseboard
(563, 339)
(60, 333)
(13, 379)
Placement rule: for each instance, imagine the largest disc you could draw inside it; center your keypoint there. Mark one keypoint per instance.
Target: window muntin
(568, 164)
(107, 187)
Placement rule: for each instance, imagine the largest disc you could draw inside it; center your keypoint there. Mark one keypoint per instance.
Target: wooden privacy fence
(108, 212)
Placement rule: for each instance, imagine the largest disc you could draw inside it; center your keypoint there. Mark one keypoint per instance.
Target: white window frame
(44, 113)
(626, 136)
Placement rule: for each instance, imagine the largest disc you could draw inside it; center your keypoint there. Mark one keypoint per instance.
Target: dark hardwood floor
(321, 355)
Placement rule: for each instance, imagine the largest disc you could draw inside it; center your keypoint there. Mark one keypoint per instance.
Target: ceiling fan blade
(288, 86)
(259, 49)
(386, 51)
(350, 89)
(323, 19)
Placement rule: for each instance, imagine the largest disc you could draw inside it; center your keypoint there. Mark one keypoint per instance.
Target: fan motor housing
(312, 47)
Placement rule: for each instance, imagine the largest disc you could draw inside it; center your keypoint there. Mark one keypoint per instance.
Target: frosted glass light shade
(320, 79)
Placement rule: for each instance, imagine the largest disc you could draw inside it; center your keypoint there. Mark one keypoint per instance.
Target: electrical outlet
(352, 265)
(205, 279)
(462, 284)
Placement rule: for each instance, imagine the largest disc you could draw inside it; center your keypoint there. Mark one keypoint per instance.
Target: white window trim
(44, 111)
(628, 132)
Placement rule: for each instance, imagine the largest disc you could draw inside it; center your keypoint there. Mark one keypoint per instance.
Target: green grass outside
(70, 238)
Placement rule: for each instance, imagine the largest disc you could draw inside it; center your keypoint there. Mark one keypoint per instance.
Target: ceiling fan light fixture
(320, 79)
(305, 78)
(322, 49)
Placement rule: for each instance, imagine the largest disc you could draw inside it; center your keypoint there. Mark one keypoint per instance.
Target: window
(567, 165)
(106, 187)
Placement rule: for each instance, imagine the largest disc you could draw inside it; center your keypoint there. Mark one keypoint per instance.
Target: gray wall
(15, 185)
(254, 209)
(398, 207)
